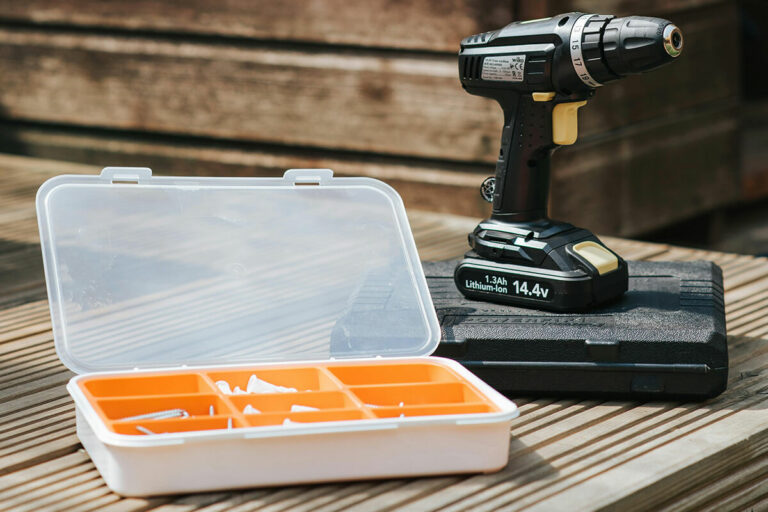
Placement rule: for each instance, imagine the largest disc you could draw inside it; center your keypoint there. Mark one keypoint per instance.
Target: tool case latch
(602, 351)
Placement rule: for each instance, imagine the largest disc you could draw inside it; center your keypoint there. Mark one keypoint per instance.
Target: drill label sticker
(509, 68)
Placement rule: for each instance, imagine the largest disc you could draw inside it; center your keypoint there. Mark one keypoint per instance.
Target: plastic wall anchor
(223, 387)
(302, 408)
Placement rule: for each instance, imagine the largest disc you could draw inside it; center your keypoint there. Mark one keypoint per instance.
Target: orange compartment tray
(189, 400)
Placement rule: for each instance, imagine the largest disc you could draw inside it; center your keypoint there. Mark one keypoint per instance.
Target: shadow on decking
(21, 273)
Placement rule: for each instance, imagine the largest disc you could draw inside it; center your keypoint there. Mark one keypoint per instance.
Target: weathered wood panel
(424, 24)
(655, 174)
(754, 149)
(624, 7)
(432, 25)
(638, 178)
(390, 104)
(445, 187)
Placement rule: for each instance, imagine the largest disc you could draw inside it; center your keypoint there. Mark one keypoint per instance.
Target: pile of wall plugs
(249, 409)
(255, 385)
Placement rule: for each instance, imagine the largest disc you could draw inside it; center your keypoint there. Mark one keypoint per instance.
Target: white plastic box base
(184, 462)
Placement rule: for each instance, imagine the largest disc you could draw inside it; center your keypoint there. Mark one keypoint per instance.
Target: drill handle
(522, 170)
(534, 126)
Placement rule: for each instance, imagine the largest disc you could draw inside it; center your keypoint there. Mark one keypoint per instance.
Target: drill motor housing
(541, 72)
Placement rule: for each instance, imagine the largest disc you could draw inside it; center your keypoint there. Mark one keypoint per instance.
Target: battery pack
(665, 338)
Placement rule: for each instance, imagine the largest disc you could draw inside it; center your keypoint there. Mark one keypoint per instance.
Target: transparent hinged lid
(152, 271)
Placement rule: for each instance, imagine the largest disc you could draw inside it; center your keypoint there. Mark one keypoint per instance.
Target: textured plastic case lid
(147, 272)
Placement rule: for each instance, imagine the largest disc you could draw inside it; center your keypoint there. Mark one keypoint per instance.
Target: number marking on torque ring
(578, 62)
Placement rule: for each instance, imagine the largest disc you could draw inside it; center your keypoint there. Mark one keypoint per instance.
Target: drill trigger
(565, 122)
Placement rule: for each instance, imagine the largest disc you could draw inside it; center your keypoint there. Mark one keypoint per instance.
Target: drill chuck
(604, 49)
(637, 44)
(673, 40)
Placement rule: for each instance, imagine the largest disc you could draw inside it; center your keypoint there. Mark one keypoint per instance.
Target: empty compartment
(143, 428)
(140, 385)
(283, 402)
(300, 379)
(430, 410)
(263, 420)
(195, 405)
(416, 394)
(360, 375)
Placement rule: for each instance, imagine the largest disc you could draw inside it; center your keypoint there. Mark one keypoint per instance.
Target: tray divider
(157, 426)
(324, 370)
(237, 414)
(209, 381)
(349, 394)
(359, 404)
(90, 397)
(473, 395)
(196, 406)
(109, 422)
(225, 398)
(233, 411)
(407, 411)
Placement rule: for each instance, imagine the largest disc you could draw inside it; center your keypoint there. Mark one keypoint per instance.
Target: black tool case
(664, 339)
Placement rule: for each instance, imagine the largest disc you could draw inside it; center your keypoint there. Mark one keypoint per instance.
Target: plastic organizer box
(240, 332)
(374, 419)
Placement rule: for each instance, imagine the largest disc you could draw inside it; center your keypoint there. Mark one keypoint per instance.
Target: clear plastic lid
(147, 272)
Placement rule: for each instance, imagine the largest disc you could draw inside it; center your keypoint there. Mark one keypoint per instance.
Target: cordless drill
(541, 72)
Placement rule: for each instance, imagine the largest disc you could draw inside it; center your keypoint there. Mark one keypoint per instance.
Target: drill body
(541, 72)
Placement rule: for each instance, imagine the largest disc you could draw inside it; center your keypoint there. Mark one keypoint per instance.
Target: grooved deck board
(565, 454)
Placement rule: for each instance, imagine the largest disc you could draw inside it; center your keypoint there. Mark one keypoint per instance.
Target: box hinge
(308, 176)
(126, 175)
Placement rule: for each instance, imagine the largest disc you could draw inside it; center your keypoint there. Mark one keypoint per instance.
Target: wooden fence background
(239, 87)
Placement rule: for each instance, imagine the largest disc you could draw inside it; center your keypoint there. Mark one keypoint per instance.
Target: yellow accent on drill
(543, 96)
(598, 256)
(565, 122)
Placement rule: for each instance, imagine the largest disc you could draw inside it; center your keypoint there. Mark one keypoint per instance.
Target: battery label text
(506, 285)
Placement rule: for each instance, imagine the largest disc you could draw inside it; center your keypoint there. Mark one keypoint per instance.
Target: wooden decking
(565, 454)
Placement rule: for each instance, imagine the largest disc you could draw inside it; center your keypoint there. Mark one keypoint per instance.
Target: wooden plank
(704, 446)
(649, 178)
(498, 490)
(754, 150)
(402, 104)
(624, 7)
(422, 185)
(378, 23)
(725, 488)
(627, 171)
(62, 443)
(34, 383)
(432, 25)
